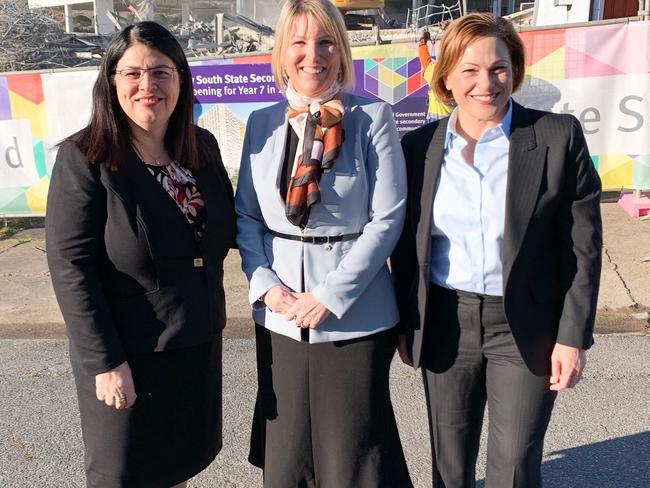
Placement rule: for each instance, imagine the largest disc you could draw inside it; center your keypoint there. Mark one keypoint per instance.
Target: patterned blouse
(179, 183)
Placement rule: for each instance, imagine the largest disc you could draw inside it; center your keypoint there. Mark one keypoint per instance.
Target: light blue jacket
(365, 192)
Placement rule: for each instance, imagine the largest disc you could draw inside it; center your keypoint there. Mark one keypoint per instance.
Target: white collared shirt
(469, 212)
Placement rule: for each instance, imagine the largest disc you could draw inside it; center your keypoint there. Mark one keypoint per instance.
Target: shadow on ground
(621, 462)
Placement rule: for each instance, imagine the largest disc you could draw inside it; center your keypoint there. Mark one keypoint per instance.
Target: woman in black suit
(498, 265)
(140, 217)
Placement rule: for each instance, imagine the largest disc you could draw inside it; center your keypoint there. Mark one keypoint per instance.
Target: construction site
(70, 33)
(50, 34)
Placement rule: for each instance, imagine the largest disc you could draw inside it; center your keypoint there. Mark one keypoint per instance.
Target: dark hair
(107, 137)
(465, 30)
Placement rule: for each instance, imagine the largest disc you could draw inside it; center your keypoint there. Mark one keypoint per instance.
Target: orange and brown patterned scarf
(318, 124)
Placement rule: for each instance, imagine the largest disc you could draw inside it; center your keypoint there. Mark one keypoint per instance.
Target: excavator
(359, 14)
(345, 5)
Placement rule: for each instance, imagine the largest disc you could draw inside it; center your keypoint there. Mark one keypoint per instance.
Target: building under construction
(103, 16)
(219, 27)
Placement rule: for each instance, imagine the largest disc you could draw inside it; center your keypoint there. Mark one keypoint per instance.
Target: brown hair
(465, 30)
(332, 21)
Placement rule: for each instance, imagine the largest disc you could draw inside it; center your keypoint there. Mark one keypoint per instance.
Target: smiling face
(312, 59)
(148, 101)
(481, 84)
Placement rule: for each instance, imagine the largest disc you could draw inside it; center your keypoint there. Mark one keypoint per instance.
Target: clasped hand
(301, 308)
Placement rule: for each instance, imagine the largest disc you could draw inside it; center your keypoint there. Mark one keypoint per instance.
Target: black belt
(316, 239)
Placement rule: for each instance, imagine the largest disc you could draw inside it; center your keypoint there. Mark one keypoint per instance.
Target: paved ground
(600, 435)
(28, 309)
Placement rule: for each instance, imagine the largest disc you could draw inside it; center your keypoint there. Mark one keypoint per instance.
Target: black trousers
(470, 357)
(323, 416)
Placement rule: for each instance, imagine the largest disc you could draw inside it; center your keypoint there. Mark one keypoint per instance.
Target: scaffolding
(432, 14)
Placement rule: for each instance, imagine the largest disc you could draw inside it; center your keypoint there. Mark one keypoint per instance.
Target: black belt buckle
(327, 240)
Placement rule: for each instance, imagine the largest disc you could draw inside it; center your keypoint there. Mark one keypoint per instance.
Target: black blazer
(552, 243)
(122, 257)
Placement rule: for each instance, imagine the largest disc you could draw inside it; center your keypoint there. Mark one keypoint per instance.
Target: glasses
(159, 73)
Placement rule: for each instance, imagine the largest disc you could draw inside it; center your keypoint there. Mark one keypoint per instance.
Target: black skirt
(171, 433)
(323, 415)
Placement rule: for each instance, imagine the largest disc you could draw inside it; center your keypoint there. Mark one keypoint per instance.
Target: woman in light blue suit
(320, 204)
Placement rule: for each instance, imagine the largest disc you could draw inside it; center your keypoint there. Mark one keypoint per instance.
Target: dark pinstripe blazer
(552, 243)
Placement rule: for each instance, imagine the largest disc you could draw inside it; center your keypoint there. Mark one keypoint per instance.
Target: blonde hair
(461, 33)
(332, 21)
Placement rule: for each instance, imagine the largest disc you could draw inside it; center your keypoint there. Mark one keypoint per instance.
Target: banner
(228, 91)
(600, 74)
(37, 110)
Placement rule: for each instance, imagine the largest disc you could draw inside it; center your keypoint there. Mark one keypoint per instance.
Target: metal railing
(432, 14)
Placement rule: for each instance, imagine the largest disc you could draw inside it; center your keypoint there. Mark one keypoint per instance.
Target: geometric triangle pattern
(22, 98)
(24, 108)
(36, 196)
(392, 79)
(616, 170)
(582, 65)
(8, 195)
(551, 67)
(16, 206)
(589, 52)
(539, 44)
(622, 47)
(27, 86)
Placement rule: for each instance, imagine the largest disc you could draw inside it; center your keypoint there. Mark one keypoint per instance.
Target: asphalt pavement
(599, 436)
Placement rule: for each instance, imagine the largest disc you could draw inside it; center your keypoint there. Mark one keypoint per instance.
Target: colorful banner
(227, 91)
(601, 74)
(37, 110)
